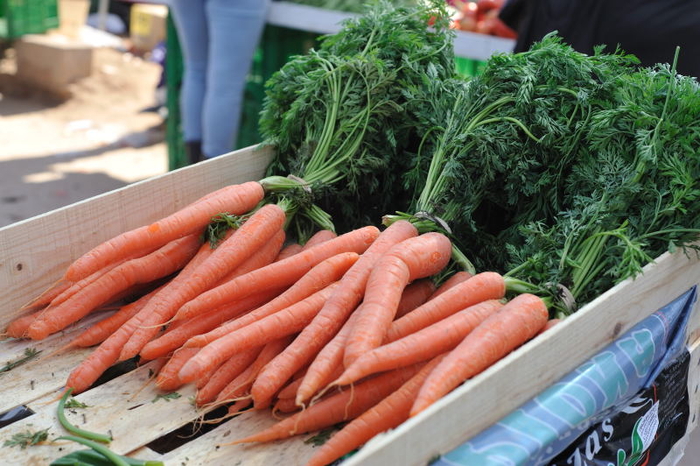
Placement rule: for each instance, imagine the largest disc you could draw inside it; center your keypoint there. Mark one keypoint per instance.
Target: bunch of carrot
(346, 327)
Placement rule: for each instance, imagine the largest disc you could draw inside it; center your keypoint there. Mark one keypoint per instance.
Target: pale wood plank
(35, 252)
(204, 451)
(124, 406)
(526, 372)
(44, 374)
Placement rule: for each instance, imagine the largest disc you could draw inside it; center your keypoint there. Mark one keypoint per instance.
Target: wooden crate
(35, 252)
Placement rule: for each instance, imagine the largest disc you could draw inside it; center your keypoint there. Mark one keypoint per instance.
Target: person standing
(649, 29)
(218, 40)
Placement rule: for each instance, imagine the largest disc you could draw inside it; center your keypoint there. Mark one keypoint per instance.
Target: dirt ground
(54, 153)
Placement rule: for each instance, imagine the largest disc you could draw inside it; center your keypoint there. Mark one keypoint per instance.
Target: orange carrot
(290, 390)
(85, 282)
(288, 251)
(425, 344)
(282, 273)
(103, 357)
(239, 387)
(456, 278)
(166, 260)
(284, 405)
(272, 327)
(238, 406)
(387, 414)
(324, 366)
(334, 313)
(245, 242)
(321, 236)
(167, 378)
(409, 260)
(550, 323)
(339, 407)
(235, 199)
(316, 279)
(166, 303)
(225, 373)
(97, 333)
(179, 332)
(482, 286)
(48, 295)
(18, 327)
(518, 321)
(414, 295)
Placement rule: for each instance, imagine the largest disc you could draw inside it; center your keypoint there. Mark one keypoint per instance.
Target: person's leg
(190, 22)
(235, 27)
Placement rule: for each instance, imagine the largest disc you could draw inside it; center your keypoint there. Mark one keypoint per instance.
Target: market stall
(600, 243)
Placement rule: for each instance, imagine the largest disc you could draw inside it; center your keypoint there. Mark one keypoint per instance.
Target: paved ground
(56, 153)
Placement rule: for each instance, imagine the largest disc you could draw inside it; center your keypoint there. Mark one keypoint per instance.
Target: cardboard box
(52, 62)
(147, 25)
(34, 253)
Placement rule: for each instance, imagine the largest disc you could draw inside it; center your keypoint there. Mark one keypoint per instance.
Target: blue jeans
(218, 40)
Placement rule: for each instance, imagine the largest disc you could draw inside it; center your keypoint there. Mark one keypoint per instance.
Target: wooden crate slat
(45, 374)
(204, 451)
(124, 406)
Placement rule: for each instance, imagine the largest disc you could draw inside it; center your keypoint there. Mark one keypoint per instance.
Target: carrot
(103, 357)
(272, 327)
(18, 327)
(282, 273)
(166, 260)
(225, 373)
(97, 333)
(427, 343)
(48, 295)
(334, 313)
(290, 390)
(284, 405)
(176, 335)
(245, 242)
(239, 387)
(154, 314)
(518, 321)
(168, 301)
(238, 406)
(414, 295)
(339, 407)
(288, 251)
(481, 287)
(326, 366)
(387, 414)
(414, 258)
(234, 199)
(85, 282)
(455, 279)
(321, 236)
(550, 323)
(167, 378)
(316, 279)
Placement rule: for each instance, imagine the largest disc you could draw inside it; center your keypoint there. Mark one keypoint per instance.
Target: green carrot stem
(74, 429)
(109, 454)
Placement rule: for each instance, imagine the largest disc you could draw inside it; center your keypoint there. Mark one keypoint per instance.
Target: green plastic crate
(468, 67)
(20, 17)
